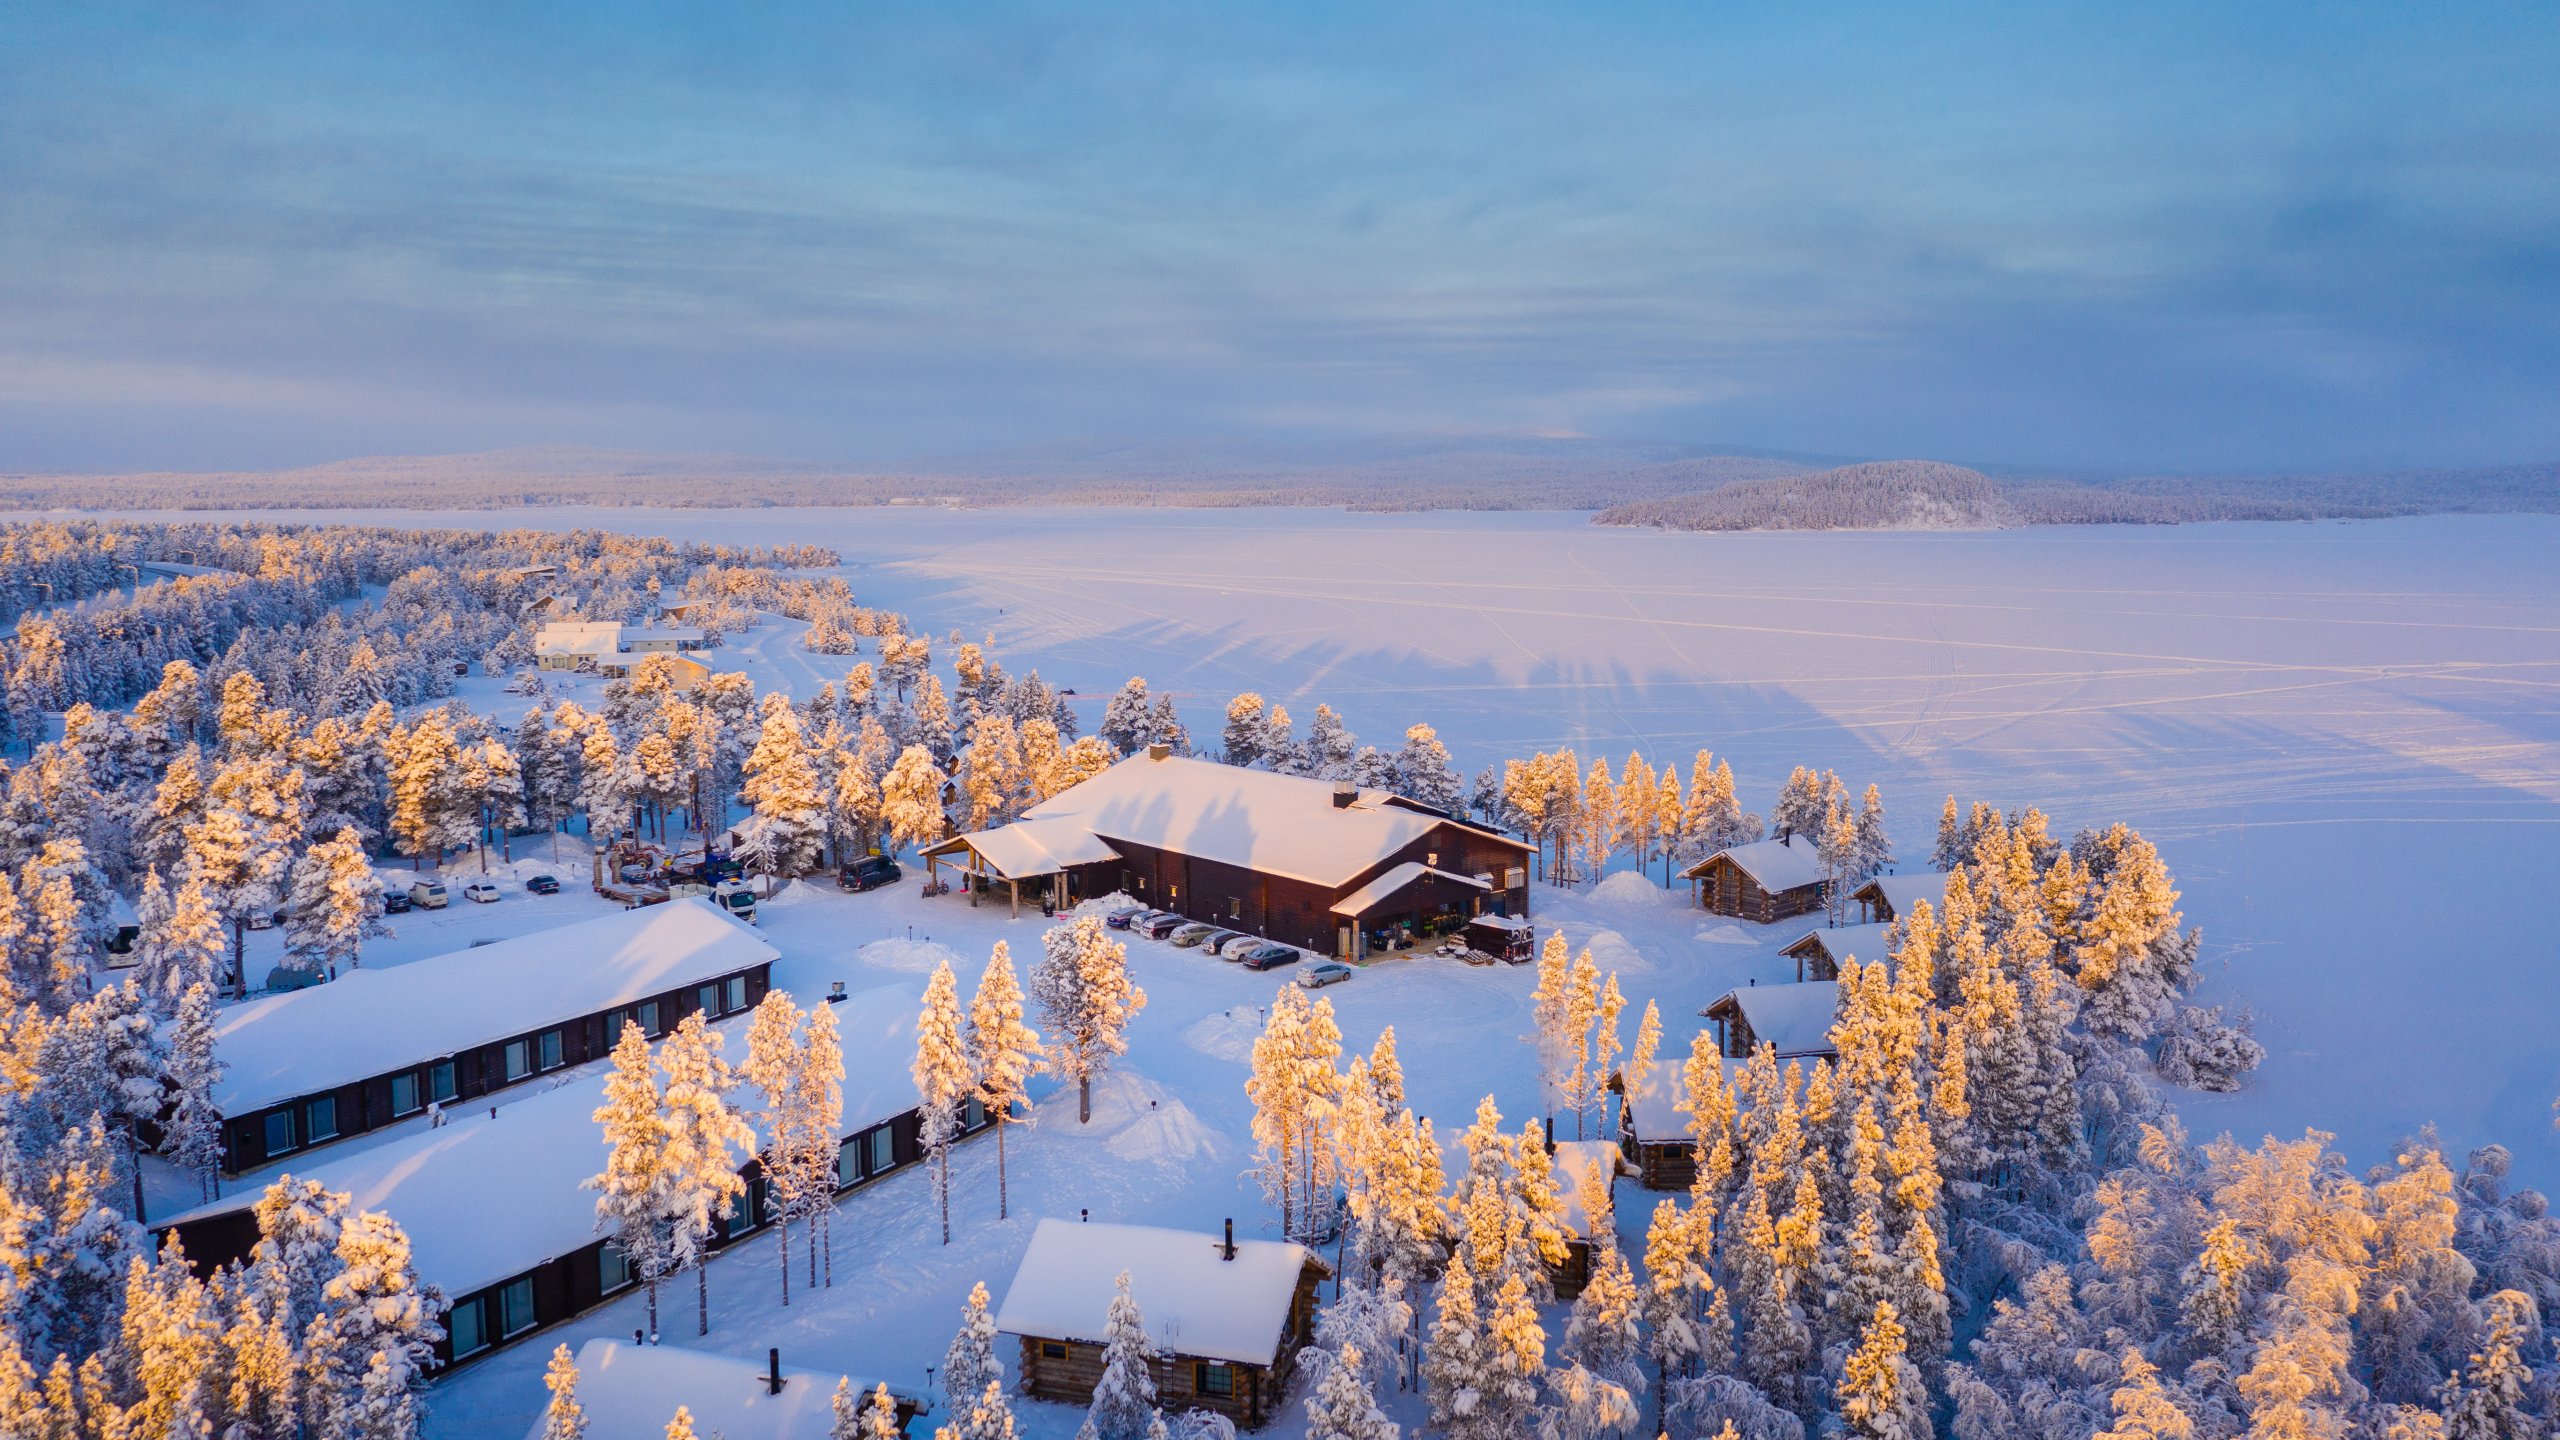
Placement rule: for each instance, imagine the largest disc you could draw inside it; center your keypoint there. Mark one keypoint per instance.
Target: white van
(427, 894)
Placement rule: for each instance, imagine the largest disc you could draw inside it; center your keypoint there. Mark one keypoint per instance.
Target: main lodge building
(1323, 865)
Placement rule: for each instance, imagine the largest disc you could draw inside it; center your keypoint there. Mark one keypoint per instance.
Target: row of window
(483, 1320)
(1208, 1377)
(290, 1128)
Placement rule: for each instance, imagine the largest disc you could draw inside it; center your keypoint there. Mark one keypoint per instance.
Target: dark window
(279, 1131)
(1207, 1379)
(468, 1324)
(709, 997)
(880, 1150)
(613, 1029)
(440, 1080)
(550, 1049)
(613, 1268)
(322, 1118)
(519, 1059)
(515, 1306)
(649, 1019)
(736, 999)
(404, 1094)
(1052, 1350)
(848, 1163)
(973, 1114)
(1235, 908)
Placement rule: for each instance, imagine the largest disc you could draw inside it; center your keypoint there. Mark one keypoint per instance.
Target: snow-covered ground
(2342, 735)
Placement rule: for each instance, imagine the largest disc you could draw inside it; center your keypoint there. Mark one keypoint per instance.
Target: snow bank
(1629, 888)
(1727, 933)
(912, 956)
(1227, 1035)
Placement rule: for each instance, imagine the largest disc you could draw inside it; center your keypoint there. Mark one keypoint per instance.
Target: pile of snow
(916, 957)
(1612, 952)
(1629, 888)
(1226, 1035)
(1101, 905)
(1726, 934)
(1134, 1119)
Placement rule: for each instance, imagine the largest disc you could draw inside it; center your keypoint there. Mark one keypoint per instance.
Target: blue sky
(2163, 236)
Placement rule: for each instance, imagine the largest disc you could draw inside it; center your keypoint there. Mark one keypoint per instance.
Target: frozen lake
(2345, 736)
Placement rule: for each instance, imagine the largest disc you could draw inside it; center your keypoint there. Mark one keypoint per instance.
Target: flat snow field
(2344, 736)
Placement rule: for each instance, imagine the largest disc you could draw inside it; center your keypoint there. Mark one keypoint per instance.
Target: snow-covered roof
(1032, 847)
(1195, 1301)
(578, 637)
(1653, 1100)
(1796, 1018)
(1774, 865)
(1277, 824)
(633, 1390)
(1901, 892)
(1575, 1159)
(1500, 922)
(1396, 879)
(367, 1022)
(1865, 943)
(671, 634)
(487, 1197)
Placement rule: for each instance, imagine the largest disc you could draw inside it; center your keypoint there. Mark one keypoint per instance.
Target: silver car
(1317, 977)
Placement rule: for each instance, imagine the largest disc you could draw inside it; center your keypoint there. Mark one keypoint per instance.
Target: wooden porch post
(1017, 896)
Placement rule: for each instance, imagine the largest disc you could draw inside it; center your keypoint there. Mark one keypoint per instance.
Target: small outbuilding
(1797, 1019)
(1227, 1316)
(1049, 854)
(1820, 953)
(1653, 1134)
(1581, 1167)
(633, 1390)
(1890, 897)
(1766, 880)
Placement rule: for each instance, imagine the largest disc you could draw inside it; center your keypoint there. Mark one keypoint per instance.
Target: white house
(568, 644)
(633, 1390)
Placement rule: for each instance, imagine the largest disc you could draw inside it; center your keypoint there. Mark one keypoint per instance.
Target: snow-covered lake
(2345, 736)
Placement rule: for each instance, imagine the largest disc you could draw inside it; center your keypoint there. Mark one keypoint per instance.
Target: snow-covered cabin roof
(633, 1390)
(367, 1022)
(664, 634)
(1195, 1301)
(487, 1197)
(1901, 892)
(1864, 943)
(1031, 847)
(578, 637)
(1796, 1018)
(1575, 1160)
(1277, 824)
(1396, 879)
(1653, 1100)
(1773, 865)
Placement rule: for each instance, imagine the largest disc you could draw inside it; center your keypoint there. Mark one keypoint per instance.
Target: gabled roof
(368, 1022)
(1901, 892)
(1865, 943)
(1195, 1301)
(1369, 895)
(1773, 865)
(1285, 825)
(1031, 847)
(487, 1197)
(1796, 1018)
(633, 1390)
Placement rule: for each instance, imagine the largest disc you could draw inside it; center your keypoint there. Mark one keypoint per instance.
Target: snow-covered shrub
(2204, 1052)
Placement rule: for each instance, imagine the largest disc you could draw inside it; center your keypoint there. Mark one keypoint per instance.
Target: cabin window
(1052, 1350)
(736, 999)
(742, 1213)
(515, 1306)
(322, 1119)
(648, 1014)
(710, 998)
(519, 1059)
(613, 1023)
(881, 1150)
(279, 1131)
(404, 1094)
(613, 1268)
(440, 1081)
(1208, 1379)
(848, 1163)
(1235, 908)
(467, 1324)
(973, 1114)
(550, 1049)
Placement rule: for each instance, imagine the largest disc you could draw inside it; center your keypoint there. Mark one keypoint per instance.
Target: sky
(2106, 237)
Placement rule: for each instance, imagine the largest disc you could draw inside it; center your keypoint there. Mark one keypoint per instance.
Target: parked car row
(1250, 951)
(432, 895)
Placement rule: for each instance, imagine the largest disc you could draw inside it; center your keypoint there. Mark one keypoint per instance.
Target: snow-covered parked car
(1190, 935)
(1236, 947)
(480, 892)
(1123, 917)
(427, 894)
(1329, 973)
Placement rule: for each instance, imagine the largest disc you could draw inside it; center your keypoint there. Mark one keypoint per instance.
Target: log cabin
(374, 1048)
(493, 1203)
(1797, 1019)
(626, 1389)
(1581, 1164)
(1319, 864)
(1765, 881)
(1820, 953)
(1890, 897)
(1227, 1316)
(1652, 1133)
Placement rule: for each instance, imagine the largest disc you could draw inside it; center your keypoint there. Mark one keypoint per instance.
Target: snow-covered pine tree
(384, 1323)
(1293, 1087)
(1484, 797)
(562, 1418)
(1003, 1052)
(1455, 1366)
(1423, 771)
(1952, 849)
(1595, 827)
(806, 1183)
(332, 904)
(1125, 725)
(1248, 727)
(706, 1141)
(970, 1366)
(1086, 1001)
(932, 722)
(1344, 1406)
(1330, 746)
(990, 1417)
(1874, 849)
(944, 1081)
(788, 828)
(1551, 1015)
(2487, 1400)
(773, 1066)
(1124, 1399)
(911, 799)
(1639, 821)
(1603, 1332)
(641, 1190)
(1799, 810)
(991, 774)
(1280, 748)
(680, 1427)
(192, 1135)
(1515, 1353)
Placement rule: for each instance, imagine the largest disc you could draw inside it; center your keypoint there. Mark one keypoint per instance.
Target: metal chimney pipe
(773, 1372)
(1230, 1251)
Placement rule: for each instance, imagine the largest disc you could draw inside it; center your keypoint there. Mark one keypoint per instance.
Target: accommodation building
(1766, 880)
(626, 1389)
(661, 639)
(374, 1047)
(1652, 1133)
(1586, 1171)
(1314, 863)
(1227, 1316)
(1820, 953)
(572, 644)
(1795, 1018)
(493, 1202)
(1890, 897)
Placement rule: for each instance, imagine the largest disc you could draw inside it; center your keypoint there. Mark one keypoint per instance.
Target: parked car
(1121, 918)
(1329, 973)
(266, 920)
(868, 872)
(1271, 957)
(427, 894)
(395, 902)
(1218, 942)
(1236, 947)
(1158, 925)
(1194, 934)
(542, 885)
(480, 892)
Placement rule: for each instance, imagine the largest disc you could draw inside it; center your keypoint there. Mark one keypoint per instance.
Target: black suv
(869, 872)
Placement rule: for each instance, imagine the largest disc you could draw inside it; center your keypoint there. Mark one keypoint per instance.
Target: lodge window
(468, 1326)
(440, 1081)
(736, 999)
(648, 1014)
(1208, 1379)
(973, 1114)
(1052, 1350)
(710, 998)
(742, 1215)
(279, 1131)
(515, 1307)
(848, 1163)
(404, 1093)
(613, 1023)
(550, 1050)
(1235, 908)
(519, 1059)
(321, 1118)
(613, 1268)
(881, 1150)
